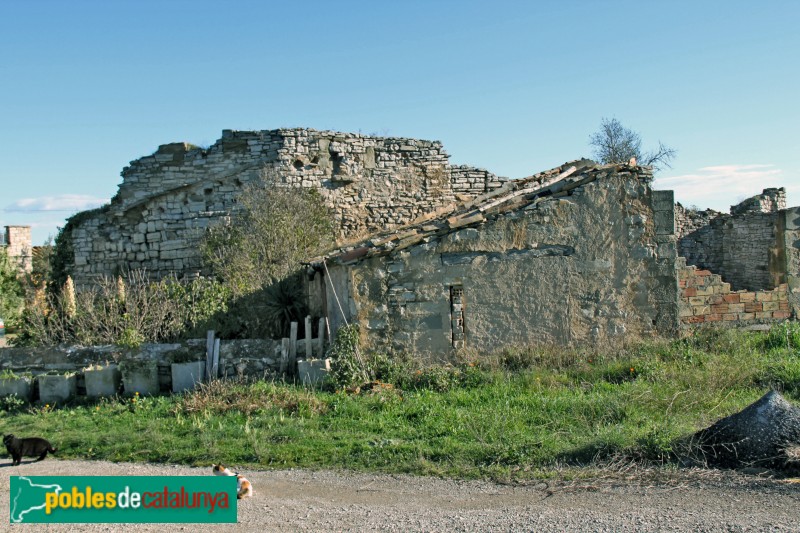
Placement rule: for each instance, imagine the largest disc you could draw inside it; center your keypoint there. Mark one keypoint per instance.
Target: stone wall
(167, 200)
(593, 266)
(238, 358)
(790, 230)
(17, 242)
(706, 299)
(742, 247)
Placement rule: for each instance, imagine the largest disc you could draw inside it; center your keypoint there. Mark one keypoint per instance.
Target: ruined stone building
(580, 254)
(168, 199)
(442, 256)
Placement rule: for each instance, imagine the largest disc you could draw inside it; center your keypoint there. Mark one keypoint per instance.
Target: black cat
(30, 447)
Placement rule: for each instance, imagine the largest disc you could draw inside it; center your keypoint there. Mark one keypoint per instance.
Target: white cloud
(721, 186)
(63, 202)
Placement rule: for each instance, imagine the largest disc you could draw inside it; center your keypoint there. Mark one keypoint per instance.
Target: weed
(467, 419)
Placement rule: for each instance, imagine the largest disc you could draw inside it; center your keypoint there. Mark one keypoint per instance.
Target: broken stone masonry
(580, 254)
(167, 200)
(442, 257)
(740, 267)
(17, 242)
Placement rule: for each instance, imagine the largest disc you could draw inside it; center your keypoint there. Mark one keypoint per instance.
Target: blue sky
(514, 87)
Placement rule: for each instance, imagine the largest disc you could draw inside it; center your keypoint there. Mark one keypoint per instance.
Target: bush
(121, 311)
(276, 228)
(11, 291)
(347, 366)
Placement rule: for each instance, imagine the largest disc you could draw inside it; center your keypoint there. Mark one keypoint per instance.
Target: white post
(321, 338)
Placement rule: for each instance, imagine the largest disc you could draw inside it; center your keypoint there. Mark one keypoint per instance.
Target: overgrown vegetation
(121, 311)
(254, 291)
(518, 414)
(12, 291)
(276, 228)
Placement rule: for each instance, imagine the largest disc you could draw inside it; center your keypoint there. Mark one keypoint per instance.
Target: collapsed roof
(521, 194)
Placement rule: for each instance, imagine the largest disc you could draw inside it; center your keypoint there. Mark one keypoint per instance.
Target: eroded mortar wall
(597, 266)
(167, 200)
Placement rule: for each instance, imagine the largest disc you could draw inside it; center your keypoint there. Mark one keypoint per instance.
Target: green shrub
(348, 367)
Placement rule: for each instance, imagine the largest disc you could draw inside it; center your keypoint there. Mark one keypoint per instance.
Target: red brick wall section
(705, 298)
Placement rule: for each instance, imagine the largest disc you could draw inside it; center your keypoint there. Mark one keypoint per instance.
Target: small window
(457, 305)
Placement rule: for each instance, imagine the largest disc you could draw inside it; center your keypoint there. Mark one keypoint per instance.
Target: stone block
(56, 388)
(186, 376)
(752, 307)
(19, 386)
(314, 371)
(141, 377)
(102, 381)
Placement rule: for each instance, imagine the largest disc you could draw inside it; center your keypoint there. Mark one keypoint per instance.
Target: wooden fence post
(293, 348)
(284, 355)
(321, 337)
(209, 353)
(309, 353)
(215, 361)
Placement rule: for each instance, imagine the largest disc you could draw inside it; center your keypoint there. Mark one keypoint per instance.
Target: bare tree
(614, 143)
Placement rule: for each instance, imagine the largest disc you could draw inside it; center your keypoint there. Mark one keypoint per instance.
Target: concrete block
(56, 388)
(141, 377)
(313, 372)
(102, 381)
(19, 386)
(186, 376)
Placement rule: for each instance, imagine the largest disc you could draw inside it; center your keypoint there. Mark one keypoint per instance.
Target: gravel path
(300, 500)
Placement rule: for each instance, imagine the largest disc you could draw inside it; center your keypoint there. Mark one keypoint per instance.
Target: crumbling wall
(238, 358)
(17, 242)
(593, 266)
(706, 299)
(167, 200)
(743, 247)
(469, 180)
(790, 230)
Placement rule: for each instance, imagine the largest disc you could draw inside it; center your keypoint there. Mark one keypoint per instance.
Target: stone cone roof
(764, 434)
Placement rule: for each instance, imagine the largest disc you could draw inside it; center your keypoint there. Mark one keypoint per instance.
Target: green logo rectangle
(115, 499)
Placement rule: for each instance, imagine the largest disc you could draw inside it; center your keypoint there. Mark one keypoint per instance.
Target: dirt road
(299, 500)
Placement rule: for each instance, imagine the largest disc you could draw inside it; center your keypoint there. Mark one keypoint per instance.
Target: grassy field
(514, 415)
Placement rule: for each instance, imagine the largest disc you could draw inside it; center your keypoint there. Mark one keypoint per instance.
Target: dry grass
(221, 396)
